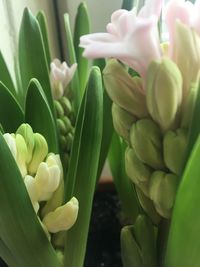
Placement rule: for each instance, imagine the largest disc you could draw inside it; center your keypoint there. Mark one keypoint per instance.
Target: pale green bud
(26, 131)
(63, 218)
(67, 122)
(31, 187)
(146, 139)
(59, 109)
(164, 92)
(22, 154)
(148, 206)
(61, 126)
(138, 172)
(189, 105)
(69, 139)
(162, 190)
(186, 54)
(174, 146)
(125, 91)
(40, 151)
(10, 140)
(64, 101)
(122, 121)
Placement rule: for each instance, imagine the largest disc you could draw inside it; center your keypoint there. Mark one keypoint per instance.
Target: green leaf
(20, 229)
(82, 27)
(41, 18)
(39, 116)
(184, 237)
(32, 57)
(11, 114)
(5, 76)
(7, 256)
(86, 168)
(124, 186)
(128, 4)
(107, 132)
(74, 84)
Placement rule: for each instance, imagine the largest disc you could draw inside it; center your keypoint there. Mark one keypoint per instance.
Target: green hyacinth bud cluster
(154, 123)
(42, 174)
(65, 124)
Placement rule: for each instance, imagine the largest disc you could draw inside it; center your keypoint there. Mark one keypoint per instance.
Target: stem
(163, 231)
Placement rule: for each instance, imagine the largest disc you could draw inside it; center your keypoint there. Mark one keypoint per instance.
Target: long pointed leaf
(11, 114)
(5, 76)
(39, 116)
(20, 229)
(72, 59)
(184, 237)
(86, 169)
(32, 57)
(82, 26)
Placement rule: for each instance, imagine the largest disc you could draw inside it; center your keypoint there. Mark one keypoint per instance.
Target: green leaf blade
(39, 115)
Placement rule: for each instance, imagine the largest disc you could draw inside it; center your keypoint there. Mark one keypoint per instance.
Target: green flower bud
(26, 131)
(69, 139)
(40, 151)
(164, 92)
(162, 190)
(146, 139)
(22, 154)
(122, 121)
(61, 126)
(64, 101)
(63, 142)
(59, 109)
(10, 140)
(138, 172)
(148, 206)
(124, 90)
(187, 49)
(67, 122)
(174, 146)
(62, 218)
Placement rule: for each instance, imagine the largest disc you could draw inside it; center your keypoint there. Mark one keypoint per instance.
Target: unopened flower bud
(162, 191)
(63, 217)
(40, 151)
(61, 126)
(65, 103)
(26, 131)
(138, 172)
(67, 122)
(10, 140)
(146, 139)
(174, 146)
(59, 109)
(164, 92)
(124, 90)
(148, 206)
(22, 154)
(122, 121)
(31, 187)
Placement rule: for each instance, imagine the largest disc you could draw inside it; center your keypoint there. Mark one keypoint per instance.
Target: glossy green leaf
(7, 256)
(124, 186)
(43, 26)
(82, 27)
(20, 229)
(39, 116)
(32, 57)
(5, 76)
(184, 237)
(86, 168)
(11, 114)
(74, 84)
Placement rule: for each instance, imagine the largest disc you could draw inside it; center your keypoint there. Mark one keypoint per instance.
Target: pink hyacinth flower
(131, 38)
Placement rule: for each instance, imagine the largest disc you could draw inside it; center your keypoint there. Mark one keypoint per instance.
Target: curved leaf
(11, 114)
(86, 168)
(39, 116)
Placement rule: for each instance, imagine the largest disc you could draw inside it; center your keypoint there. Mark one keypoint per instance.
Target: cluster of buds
(60, 77)
(43, 177)
(152, 110)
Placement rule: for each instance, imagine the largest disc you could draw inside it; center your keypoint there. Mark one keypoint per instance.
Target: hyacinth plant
(154, 86)
(51, 148)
